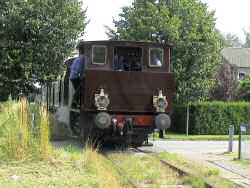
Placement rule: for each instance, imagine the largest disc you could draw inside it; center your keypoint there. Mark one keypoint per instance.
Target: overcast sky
(232, 16)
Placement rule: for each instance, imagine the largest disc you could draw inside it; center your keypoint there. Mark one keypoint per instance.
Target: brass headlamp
(160, 102)
(101, 100)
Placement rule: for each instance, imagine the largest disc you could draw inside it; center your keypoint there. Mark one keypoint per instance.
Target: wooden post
(239, 152)
(187, 123)
(161, 133)
(231, 138)
(242, 129)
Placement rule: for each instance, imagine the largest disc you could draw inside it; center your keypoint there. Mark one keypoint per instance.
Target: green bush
(244, 89)
(178, 119)
(211, 118)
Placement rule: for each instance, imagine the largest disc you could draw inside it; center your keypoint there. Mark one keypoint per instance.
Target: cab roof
(123, 43)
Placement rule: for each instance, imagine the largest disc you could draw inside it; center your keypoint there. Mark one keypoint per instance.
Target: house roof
(237, 56)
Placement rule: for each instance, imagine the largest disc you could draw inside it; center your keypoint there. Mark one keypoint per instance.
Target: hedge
(211, 118)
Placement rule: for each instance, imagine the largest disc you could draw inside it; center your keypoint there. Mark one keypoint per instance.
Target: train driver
(155, 61)
(77, 76)
(118, 62)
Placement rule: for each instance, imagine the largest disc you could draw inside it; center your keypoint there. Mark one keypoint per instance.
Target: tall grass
(97, 164)
(20, 137)
(145, 170)
(44, 134)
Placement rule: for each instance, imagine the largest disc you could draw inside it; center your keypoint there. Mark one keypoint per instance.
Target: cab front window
(99, 54)
(155, 57)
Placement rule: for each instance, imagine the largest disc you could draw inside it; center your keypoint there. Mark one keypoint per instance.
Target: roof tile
(237, 56)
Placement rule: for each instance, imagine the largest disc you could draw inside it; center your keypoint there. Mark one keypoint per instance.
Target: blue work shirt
(76, 69)
(118, 65)
(156, 62)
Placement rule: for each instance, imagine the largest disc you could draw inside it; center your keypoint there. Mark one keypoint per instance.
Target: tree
(244, 89)
(35, 38)
(226, 84)
(247, 39)
(231, 40)
(190, 27)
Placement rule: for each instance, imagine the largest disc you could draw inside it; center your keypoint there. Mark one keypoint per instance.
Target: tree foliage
(226, 84)
(189, 27)
(231, 40)
(35, 38)
(244, 89)
(247, 39)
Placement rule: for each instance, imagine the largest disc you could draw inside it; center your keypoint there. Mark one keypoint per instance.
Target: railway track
(121, 173)
(180, 170)
(166, 164)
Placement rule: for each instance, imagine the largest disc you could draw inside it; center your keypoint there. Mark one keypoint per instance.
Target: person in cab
(118, 62)
(155, 61)
(76, 77)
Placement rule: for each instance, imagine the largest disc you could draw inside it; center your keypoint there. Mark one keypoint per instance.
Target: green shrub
(244, 89)
(178, 119)
(211, 117)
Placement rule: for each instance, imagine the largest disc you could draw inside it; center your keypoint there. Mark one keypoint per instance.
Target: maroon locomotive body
(123, 104)
(133, 101)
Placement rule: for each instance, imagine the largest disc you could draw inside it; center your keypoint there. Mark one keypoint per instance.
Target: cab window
(155, 57)
(99, 54)
(128, 58)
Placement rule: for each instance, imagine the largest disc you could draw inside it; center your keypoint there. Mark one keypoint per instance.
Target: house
(240, 57)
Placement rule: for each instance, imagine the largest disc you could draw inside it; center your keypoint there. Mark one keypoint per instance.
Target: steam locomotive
(117, 106)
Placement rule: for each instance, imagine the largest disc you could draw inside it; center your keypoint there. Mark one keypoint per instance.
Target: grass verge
(22, 138)
(28, 160)
(67, 167)
(242, 161)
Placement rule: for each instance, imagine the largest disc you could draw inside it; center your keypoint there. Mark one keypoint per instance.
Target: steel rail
(120, 172)
(180, 170)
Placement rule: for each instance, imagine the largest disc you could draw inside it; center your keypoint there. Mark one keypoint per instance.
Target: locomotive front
(126, 102)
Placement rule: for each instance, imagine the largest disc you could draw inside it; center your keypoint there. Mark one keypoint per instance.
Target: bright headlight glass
(102, 102)
(161, 104)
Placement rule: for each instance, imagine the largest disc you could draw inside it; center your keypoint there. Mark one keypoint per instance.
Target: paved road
(191, 147)
(246, 149)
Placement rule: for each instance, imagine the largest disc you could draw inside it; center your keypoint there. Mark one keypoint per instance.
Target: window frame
(106, 50)
(149, 59)
(241, 72)
(142, 54)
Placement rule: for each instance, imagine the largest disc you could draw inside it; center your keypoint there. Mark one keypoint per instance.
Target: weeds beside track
(196, 179)
(180, 170)
(141, 168)
(121, 173)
